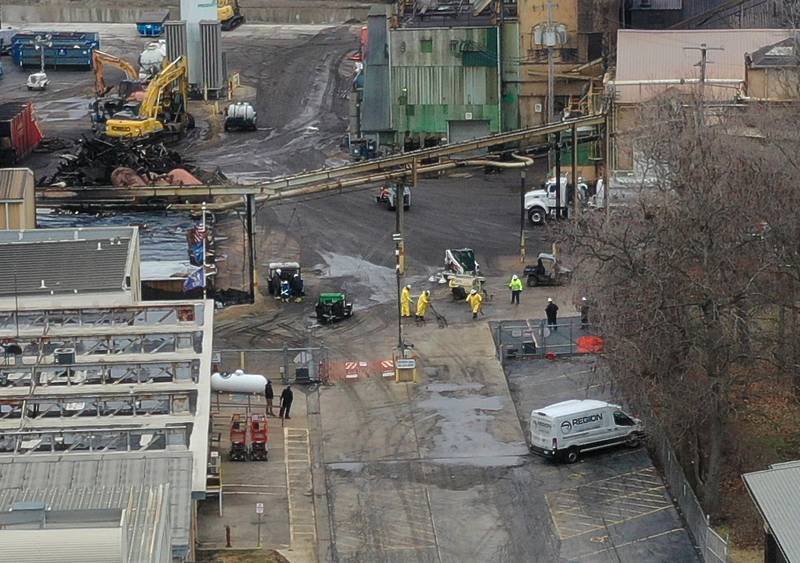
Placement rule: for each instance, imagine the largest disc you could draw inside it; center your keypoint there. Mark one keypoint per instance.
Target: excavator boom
(99, 60)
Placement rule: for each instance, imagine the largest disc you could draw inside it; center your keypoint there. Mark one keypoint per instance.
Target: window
(622, 419)
(595, 46)
(426, 45)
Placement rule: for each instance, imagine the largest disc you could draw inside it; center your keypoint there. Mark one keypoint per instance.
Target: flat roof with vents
(58, 262)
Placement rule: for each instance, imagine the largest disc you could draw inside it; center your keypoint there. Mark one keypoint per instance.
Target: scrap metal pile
(126, 163)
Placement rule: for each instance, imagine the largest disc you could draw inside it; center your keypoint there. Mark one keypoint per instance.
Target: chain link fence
(288, 365)
(525, 339)
(713, 549)
(529, 339)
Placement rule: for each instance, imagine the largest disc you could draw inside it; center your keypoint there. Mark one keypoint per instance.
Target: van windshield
(622, 419)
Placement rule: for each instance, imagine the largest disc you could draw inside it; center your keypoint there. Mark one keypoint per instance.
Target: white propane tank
(151, 61)
(238, 382)
(242, 110)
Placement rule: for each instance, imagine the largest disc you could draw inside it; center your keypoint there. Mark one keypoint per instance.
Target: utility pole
(558, 178)
(398, 241)
(551, 87)
(399, 203)
(575, 200)
(251, 247)
(522, 215)
(703, 64)
(397, 237)
(549, 36)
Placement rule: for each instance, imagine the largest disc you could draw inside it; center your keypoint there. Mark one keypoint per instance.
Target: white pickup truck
(541, 204)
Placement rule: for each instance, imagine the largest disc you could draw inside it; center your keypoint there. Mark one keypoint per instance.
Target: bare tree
(684, 276)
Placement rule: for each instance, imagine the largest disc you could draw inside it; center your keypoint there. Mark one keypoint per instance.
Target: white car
(563, 430)
(37, 81)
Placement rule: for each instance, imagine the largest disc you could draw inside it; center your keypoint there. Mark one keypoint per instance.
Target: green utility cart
(332, 307)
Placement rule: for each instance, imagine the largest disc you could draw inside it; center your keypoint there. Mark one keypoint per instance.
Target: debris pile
(124, 163)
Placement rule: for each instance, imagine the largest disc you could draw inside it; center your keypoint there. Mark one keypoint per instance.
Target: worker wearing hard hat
(405, 301)
(516, 288)
(584, 308)
(422, 304)
(552, 314)
(475, 301)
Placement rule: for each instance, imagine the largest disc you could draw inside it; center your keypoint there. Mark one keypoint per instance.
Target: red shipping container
(19, 132)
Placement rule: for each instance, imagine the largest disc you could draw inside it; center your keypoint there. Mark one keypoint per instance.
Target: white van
(564, 430)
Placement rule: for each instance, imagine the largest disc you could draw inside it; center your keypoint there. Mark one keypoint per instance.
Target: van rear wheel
(571, 455)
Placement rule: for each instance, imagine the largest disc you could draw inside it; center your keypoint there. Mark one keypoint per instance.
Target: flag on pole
(196, 279)
(196, 254)
(196, 234)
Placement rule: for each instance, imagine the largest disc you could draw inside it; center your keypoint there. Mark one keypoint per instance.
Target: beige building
(585, 32)
(17, 199)
(652, 63)
(772, 73)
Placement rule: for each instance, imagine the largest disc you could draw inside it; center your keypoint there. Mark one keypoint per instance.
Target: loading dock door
(466, 129)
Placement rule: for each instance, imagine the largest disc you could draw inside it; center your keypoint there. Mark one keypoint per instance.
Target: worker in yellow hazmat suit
(422, 304)
(475, 301)
(405, 301)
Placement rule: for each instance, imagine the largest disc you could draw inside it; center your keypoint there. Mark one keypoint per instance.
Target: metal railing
(72, 440)
(89, 374)
(12, 322)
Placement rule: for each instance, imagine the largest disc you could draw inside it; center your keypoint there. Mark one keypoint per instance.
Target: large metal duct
(175, 32)
(212, 77)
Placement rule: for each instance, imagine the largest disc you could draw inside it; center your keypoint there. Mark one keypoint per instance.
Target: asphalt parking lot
(610, 506)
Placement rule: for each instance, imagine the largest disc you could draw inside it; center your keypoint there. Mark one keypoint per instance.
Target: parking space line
(302, 520)
(632, 542)
(611, 501)
(616, 522)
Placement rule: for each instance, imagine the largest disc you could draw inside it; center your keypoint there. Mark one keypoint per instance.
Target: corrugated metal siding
(81, 545)
(17, 199)
(99, 475)
(475, 86)
(439, 86)
(376, 107)
(445, 85)
(15, 183)
(777, 494)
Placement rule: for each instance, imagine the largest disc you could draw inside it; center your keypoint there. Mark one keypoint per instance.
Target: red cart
(238, 438)
(259, 437)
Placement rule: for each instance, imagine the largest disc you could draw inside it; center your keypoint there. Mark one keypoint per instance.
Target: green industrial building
(428, 81)
(445, 84)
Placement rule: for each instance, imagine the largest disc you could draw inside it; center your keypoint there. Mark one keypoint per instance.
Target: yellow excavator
(130, 88)
(229, 14)
(163, 108)
(99, 61)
